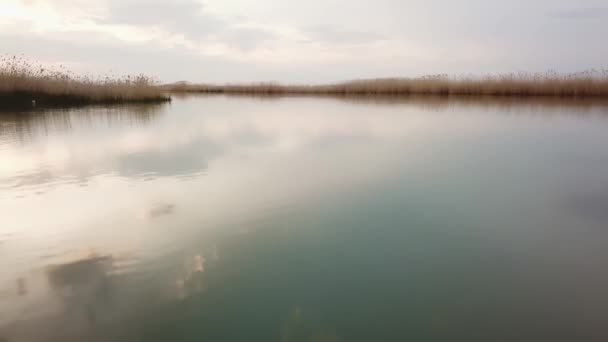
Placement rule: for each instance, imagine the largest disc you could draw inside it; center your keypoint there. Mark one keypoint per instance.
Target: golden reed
(23, 83)
(591, 83)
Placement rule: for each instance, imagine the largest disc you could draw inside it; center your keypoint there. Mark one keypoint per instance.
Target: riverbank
(576, 85)
(26, 85)
(36, 99)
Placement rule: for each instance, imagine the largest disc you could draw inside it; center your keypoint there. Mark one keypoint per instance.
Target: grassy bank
(584, 84)
(25, 85)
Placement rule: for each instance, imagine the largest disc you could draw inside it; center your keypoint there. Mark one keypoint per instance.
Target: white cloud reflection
(88, 173)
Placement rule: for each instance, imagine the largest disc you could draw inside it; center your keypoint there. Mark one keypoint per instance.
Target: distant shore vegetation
(592, 83)
(25, 84)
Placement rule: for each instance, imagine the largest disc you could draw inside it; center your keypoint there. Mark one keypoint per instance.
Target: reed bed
(26, 84)
(591, 83)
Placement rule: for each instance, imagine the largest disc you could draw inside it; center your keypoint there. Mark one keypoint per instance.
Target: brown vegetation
(24, 84)
(583, 84)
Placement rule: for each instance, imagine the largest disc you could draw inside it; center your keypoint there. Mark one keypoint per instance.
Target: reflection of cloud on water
(80, 283)
(73, 146)
(189, 280)
(68, 306)
(186, 159)
(144, 155)
(89, 299)
(156, 210)
(183, 161)
(87, 148)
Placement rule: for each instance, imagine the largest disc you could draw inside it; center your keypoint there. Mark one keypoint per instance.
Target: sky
(312, 41)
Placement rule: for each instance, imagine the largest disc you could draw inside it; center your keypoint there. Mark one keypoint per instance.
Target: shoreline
(27, 85)
(429, 101)
(579, 85)
(29, 100)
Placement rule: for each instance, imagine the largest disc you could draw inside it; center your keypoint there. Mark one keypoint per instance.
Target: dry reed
(24, 84)
(591, 83)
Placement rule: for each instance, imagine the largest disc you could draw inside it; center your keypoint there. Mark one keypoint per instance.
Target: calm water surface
(303, 219)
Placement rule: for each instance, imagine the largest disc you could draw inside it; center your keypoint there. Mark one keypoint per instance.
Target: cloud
(102, 53)
(338, 35)
(184, 17)
(247, 38)
(188, 18)
(68, 8)
(313, 41)
(582, 13)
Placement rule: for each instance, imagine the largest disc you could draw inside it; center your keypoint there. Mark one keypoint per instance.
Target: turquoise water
(305, 219)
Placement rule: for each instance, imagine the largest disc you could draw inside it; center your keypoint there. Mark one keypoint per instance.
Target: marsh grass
(23, 82)
(592, 83)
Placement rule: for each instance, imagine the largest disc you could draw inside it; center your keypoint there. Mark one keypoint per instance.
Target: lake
(218, 218)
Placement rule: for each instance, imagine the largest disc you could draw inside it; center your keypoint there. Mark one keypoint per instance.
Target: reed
(592, 83)
(24, 84)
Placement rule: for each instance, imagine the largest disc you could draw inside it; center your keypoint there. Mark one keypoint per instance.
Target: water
(305, 219)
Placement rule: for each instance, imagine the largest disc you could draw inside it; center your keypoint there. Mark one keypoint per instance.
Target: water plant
(591, 83)
(24, 83)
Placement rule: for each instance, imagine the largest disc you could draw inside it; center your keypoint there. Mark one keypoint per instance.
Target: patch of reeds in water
(591, 83)
(24, 84)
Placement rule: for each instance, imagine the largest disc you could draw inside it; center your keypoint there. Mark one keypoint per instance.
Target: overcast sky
(306, 41)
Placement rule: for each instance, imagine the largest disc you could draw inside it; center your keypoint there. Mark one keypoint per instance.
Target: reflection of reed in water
(437, 103)
(23, 126)
(545, 104)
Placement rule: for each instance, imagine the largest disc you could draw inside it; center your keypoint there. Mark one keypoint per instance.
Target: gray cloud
(582, 13)
(100, 53)
(337, 35)
(247, 38)
(188, 18)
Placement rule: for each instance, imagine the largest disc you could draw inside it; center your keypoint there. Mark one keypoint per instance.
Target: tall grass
(591, 83)
(24, 84)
